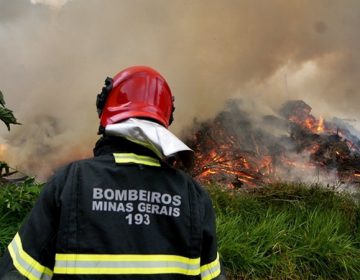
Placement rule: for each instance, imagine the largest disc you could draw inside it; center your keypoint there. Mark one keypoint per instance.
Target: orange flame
(3, 149)
(320, 127)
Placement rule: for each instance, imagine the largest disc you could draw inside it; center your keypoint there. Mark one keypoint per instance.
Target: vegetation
(6, 115)
(283, 231)
(287, 231)
(15, 202)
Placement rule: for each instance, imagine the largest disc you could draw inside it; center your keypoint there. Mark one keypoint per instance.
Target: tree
(6, 115)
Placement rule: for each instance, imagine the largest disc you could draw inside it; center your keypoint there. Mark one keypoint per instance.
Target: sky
(56, 54)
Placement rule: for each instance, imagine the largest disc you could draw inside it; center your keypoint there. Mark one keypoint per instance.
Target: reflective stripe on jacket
(121, 214)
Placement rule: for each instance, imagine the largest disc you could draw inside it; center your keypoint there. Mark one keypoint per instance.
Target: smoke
(55, 4)
(236, 149)
(55, 56)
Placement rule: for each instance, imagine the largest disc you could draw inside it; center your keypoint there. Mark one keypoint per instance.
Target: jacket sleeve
(31, 253)
(210, 261)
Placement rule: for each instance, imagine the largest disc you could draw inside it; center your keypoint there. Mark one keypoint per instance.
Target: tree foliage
(6, 115)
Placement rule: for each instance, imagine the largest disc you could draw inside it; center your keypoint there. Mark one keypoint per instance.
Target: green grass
(283, 231)
(288, 232)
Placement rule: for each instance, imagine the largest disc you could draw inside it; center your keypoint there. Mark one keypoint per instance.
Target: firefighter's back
(128, 216)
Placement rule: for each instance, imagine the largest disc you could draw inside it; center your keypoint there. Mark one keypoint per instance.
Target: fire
(3, 149)
(320, 126)
(229, 150)
(310, 123)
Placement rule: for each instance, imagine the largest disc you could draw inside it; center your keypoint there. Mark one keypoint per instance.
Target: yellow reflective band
(210, 270)
(134, 158)
(110, 257)
(125, 264)
(25, 264)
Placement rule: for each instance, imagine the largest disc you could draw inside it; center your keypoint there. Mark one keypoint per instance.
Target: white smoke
(55, 4)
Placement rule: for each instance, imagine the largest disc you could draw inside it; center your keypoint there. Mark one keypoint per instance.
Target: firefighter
(126, 213)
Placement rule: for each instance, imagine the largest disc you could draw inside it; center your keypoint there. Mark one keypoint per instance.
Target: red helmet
(137, 91)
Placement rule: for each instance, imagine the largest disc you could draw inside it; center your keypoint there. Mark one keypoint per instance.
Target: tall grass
(288, 232)
(283, 231)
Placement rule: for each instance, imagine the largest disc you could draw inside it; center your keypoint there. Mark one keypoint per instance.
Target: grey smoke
(54, 61)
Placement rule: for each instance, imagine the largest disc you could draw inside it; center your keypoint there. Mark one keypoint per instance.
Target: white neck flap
(151, 135)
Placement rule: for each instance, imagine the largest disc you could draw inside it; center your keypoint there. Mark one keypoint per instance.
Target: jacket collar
(111, 144)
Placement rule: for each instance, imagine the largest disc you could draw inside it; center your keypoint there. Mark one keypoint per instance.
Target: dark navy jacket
(123, 214)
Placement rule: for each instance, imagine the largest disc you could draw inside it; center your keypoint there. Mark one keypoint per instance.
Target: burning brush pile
(293, 146)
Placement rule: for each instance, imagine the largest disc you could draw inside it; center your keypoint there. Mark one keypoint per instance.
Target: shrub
(16, 200)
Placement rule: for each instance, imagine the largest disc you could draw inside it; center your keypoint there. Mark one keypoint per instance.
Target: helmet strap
(102, 96)
(172, 111)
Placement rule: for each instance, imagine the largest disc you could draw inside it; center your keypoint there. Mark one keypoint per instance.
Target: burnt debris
(234, 150)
